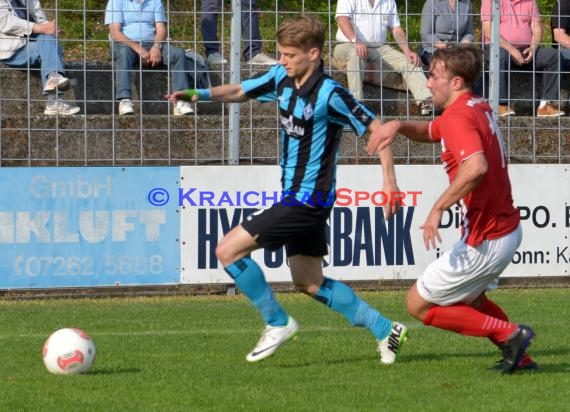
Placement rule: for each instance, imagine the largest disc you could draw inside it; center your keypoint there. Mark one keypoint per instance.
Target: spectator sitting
(30, 39)
(444, 23)
(361, 37)
(250, 33)
(560, 25)
(520, 36)
(138, 35)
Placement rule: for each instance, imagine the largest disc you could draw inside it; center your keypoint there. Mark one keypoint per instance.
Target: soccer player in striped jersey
(313, 110)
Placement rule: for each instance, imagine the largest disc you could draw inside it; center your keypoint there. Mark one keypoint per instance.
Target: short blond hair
(304, 32)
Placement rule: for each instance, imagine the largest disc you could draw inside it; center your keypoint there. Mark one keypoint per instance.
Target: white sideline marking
(411, 326)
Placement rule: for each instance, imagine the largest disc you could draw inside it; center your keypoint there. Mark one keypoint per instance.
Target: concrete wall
(100, 137)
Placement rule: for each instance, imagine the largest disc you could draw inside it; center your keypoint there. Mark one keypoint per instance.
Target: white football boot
(271, 338)
(390, 346)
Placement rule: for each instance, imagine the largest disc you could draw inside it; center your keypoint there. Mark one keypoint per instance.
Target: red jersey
(465, 128)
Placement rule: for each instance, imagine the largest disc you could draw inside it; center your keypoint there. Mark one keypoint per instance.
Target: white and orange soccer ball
(69, 351)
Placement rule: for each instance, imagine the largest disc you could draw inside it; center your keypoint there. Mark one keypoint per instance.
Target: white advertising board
(363, 246)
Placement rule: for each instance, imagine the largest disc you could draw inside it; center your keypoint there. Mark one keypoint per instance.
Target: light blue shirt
(137, 19)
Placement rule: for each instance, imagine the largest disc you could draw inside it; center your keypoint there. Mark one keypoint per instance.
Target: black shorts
(301, 229)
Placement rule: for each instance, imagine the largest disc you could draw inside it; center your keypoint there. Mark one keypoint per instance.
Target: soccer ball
(69, 351)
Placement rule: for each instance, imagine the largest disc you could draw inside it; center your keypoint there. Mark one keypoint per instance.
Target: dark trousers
(251, 36)
(545, 61)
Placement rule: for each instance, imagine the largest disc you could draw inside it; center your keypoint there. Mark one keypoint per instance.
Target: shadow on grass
(115, 371)
(322, 361)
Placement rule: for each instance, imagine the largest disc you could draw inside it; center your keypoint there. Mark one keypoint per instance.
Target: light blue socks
(249, 278)
(339, 297)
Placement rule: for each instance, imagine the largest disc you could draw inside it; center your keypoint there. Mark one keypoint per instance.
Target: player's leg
(457, 317)
(308, 277)
(267, 228)
(485, 305)
(462, 275)
(232, 252)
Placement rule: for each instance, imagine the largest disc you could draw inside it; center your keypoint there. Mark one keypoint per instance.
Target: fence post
(235, 77)
(494, 52)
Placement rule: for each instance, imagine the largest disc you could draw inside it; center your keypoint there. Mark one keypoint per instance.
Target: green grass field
(188, 354)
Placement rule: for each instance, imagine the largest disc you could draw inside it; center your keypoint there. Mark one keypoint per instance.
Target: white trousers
(462, 274)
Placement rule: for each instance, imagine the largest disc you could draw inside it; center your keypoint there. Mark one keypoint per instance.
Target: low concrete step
(92, 89)
(204, 139)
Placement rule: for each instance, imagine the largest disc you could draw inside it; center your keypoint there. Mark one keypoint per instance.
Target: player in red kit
(451, 293)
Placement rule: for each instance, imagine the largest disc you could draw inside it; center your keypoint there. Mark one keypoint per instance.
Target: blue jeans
(249, 27)
(42, 50)
(126, 58)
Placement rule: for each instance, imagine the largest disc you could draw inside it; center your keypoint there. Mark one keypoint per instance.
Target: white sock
(543, 103)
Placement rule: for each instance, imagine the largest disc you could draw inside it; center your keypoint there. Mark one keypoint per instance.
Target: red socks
(466, 320)
(488, 307)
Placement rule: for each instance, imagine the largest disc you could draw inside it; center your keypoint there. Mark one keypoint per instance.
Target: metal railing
(152, 136)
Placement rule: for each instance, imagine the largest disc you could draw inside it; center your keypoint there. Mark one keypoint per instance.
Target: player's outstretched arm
(377, 139)
(228, 93)
(389, 185)
(383, 135)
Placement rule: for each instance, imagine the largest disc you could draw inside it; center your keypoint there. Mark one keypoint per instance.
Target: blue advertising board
(88, 226)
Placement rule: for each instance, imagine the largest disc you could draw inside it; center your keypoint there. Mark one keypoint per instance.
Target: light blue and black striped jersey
(312, 119)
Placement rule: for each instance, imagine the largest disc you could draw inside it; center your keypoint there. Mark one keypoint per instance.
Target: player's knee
(224, 254)
(307, 289)
(413, 309)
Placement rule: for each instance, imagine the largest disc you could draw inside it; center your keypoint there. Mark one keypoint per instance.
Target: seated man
(560, 25)
(520, 50)
(138, 34)
(29, 39)
(361, 38)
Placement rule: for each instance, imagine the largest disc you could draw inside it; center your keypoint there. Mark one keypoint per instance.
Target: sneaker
(271, 338)
(505, 110)
(426, 107)
(390, 346)
(126, 107)
(549, 110)
(182, 108)
(262, 59)
(216, 58)
(58, 107)
(525, 364)
(514, 349)
(55, 82)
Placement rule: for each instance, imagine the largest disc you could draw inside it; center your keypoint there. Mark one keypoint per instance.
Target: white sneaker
(216, 58)
(126, 107)
(262, 59)
(271, 338)
(55, 82)
(182, 108)
(58, 107)
(390, 346)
